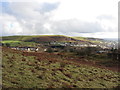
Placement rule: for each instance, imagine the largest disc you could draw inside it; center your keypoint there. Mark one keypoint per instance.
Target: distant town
(58, 46)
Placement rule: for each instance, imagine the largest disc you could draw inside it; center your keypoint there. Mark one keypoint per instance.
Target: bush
(87, 51)
(80, 52)
(49, 50)
(7, 45)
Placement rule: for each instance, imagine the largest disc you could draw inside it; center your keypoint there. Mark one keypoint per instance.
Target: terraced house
(35, 49)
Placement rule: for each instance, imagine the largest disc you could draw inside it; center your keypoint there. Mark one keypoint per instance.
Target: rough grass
(21, 71)
(16, 38)
(23, 38)
(28, 40)
(87, 39)
(47, 38)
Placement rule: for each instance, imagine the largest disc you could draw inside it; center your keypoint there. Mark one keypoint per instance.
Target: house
(32, 49)
(92, 45)
(45, 49)
(102, 51)
(57, 46)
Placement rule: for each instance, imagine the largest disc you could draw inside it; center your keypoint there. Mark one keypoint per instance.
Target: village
(63, 46)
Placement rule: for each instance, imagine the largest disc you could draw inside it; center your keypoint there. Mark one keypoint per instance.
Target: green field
(19, 43)
(10, 41)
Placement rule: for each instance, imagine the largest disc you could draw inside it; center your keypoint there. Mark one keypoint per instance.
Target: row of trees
(87, 51)
(114, 54)
(5, 44)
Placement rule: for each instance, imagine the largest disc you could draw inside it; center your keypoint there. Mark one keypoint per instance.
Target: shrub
(7, 45)
(49, 50)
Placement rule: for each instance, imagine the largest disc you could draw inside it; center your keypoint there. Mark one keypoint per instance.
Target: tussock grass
(20, 71)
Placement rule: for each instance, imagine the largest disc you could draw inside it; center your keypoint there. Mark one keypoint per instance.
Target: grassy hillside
(26, 70)
(92, 40)
(33, 40)
(24, 38)
(17, 38)
(46, 38)
(19, 43)
(50, 38)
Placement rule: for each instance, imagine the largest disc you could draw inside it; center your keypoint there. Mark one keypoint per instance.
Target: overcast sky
(88, 18)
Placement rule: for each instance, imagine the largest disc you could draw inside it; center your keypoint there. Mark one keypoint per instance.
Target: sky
(86, 18)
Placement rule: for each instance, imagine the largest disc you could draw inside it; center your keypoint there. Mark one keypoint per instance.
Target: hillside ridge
(50, 38)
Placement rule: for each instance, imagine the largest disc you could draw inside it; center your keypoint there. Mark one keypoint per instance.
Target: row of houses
(34, 49)
(53, 49)
(72, 44)
(77, 44)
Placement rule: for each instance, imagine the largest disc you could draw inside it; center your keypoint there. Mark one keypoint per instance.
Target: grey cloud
(47, 7)
(76, 26)
(31, 18)
(31, 21)
(107, 17)
(29, 9)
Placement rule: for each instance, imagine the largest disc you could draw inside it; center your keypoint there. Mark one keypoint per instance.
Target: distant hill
(49, 38)
(88, 39)
(54, 38)
(111, 39)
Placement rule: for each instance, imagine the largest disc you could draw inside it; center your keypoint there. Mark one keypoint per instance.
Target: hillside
(33, 40)
(51, 38)
(92, 40)
(40, 38)
(47, 70)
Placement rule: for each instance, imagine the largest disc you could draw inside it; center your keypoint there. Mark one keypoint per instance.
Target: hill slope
(51, 38)
(48, 38)
(40, 38)
(21, 70)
